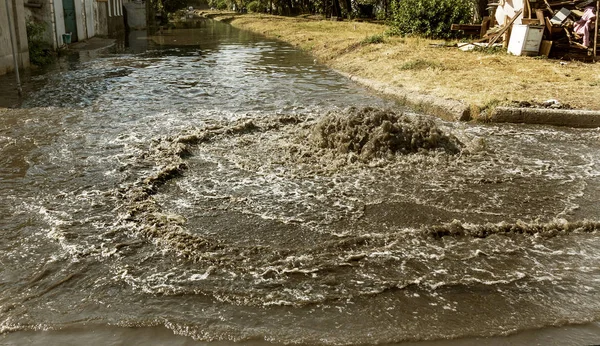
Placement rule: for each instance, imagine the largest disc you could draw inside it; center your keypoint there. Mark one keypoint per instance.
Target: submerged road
(226, 189)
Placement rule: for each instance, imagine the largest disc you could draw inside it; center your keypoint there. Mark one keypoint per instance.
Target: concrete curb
(557, 117)
(454, 110)
(446, 109)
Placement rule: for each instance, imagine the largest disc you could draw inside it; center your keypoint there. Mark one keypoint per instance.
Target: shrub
(41, 53)
(373, 39)
(221, 5)
(172, 6)
(430, 18)
(253, 6)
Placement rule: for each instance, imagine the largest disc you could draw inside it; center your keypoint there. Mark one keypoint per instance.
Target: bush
(221, 5)
(430, 18)
(373, 39)
(172, 6)
(253, 6)
(41, 53)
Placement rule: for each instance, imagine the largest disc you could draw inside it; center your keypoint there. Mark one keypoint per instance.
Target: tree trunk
(336, 11)
(481, 10)
(349, 8)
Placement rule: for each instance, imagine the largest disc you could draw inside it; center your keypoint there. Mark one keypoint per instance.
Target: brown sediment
(550, 229)
(372, 133)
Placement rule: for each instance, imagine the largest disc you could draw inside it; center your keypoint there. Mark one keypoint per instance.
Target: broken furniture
(567, 28)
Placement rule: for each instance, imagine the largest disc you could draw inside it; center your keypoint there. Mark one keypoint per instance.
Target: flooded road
(226, 188)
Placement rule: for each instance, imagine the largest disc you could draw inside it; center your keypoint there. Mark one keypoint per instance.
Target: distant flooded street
(213, 186)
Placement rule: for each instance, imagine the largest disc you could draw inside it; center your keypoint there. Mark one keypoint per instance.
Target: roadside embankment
(435, 77)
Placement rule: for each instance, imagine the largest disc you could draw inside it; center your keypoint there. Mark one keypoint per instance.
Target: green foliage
(253, 6)
(373, 39)
(41, 53)
(172, 6)
(218, 4)
(430, 18)
(221, 5)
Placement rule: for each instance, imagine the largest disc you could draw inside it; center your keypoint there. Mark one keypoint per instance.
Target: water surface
(182, 189)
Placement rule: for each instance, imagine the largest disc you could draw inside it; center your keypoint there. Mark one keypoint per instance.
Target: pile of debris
(563, 29)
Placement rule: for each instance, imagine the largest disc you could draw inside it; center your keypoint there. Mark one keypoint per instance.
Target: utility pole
(13, 42)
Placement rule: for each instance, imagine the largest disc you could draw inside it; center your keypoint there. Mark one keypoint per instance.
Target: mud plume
(374, 133)
(550, 229)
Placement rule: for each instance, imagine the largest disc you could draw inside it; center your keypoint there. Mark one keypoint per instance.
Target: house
(109, 17)
(82, 19)
(63, 17)
(19, 33)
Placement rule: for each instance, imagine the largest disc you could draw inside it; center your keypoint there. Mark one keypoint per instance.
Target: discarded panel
(525, 39)
(560, 16)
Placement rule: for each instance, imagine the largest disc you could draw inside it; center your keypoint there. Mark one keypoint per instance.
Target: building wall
(52, 14)
(43, 14)
(85, 19)
(136, 15)
(116, 23)
(6, 53)
(101, 15)
(89, 18)
(109, 17)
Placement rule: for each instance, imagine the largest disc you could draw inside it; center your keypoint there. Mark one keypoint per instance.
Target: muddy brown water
(228, 189)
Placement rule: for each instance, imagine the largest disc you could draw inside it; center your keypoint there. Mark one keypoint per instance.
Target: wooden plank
(507, 35)
(485, 25)
(466, 27)
(548, 27)
(545, 47)
(526, 21)
(506, 27)
(561, 3)
(568, 34)
(539, 13)
(582, 5)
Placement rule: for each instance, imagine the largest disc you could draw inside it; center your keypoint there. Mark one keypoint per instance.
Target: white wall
(80, 20)
(101, 18)
(59, 20)
(18, 20)
(89, 18)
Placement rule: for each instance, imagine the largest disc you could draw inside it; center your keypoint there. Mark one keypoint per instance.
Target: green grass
(421, 64)
(373, 39)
